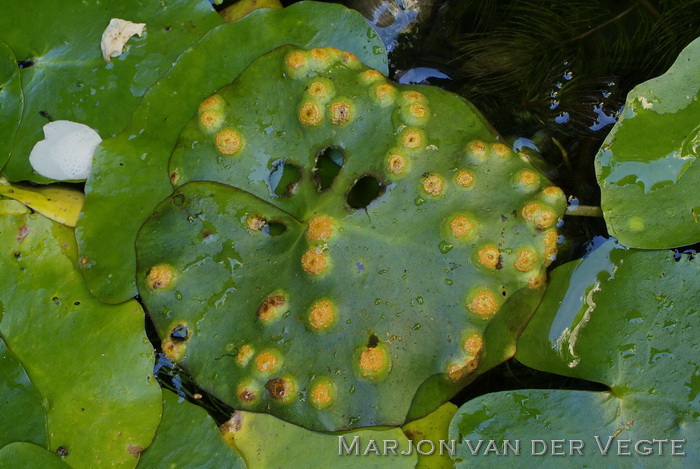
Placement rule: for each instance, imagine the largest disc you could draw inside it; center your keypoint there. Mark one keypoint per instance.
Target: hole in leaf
(284, 178)
(25, 64)
(373, 341)
(329, 162)
(365, 190)
(274, 228)
(179, 333)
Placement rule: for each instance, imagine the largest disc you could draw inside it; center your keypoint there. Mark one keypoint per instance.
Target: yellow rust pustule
(314, 261)
(350, 60)
(213, 103)
(322, 316)
(526, 180)
(322, 393)
(211, 120)
(160, 276)
(321, 58)
(268, 361)
(473, 344)
(255, 222)
(228, 141)
(296, 63)
(461, 226)
(433, 185)
(310, 114)
(271, 308)
(489, 257)
(476, 150)
(370, 76)
(551, 238)
(396, 162)
(320, 228)
(248, 392)
(244, 355)
(412, 96)
(412, 139)
(483, 303)
(373, 363)
(459, 370)
(536, 281)
(321, 89)
(340, 112)
(464, 178)
(384, 93)
(500, 150)
(525, 260)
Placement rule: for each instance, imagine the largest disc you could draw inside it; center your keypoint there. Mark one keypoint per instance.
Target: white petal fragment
(116, 35)
(66, 152)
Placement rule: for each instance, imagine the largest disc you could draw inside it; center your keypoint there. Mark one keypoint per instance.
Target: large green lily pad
(65, 77)
(247, 285)
(647, 167)
(91, 363)
(187, 438)
(11, 101)
(130, 174)
(267, 442)
(625, 318)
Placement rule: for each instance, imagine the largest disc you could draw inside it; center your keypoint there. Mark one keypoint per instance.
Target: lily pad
(91, 363)
(188, 438)
(624, 318)
(434, 428)
(19, 399)
(246, 284)
(130, 173)
(65, 77)
(647, 167)
(12, 101)
(21, 454)
(266, 442)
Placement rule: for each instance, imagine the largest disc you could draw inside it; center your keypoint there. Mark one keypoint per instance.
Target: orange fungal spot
(465, 178)
(228, 142)
(314, 261)
(160, 276)
(271, 308)
(212, 103)
(461, 226)
(211, 120)
(322, 315)
(310, 114)
(296, 60)
(320, 228)
(484, 304)
(267, 362)
(255, 223)
(412, 139)
(396, 163)
(473, 344)
(489, 257)
(340, 112)
(525, 260)
(322, 393)
(385, 93)
(245, 353)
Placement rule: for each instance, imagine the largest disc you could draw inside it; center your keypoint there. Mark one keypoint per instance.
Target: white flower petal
(66, 152)
(116, 35)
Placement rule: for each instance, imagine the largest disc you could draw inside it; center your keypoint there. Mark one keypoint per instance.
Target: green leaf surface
(27, 455)
(21, 406)
(628, 319)
(187, 438)
(90, 362)
(269, 443)
(434, 428)
(647, 167)
(65, 77)
(11, 100)
(130, 174)
(398, 293)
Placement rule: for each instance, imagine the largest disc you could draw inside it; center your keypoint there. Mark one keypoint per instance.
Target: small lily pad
(625, 318)
(647, 167)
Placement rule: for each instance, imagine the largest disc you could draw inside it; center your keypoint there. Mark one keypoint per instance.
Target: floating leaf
(266, 442)
(64, 76)
(28, 455)
(20, 400)
(263, 275)
(433, 427)
(244, 7)
(625, 318)
(90, 362)
(647, 167)
(187, 437)
(11, 101)
(130, 171)
(59, 203)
